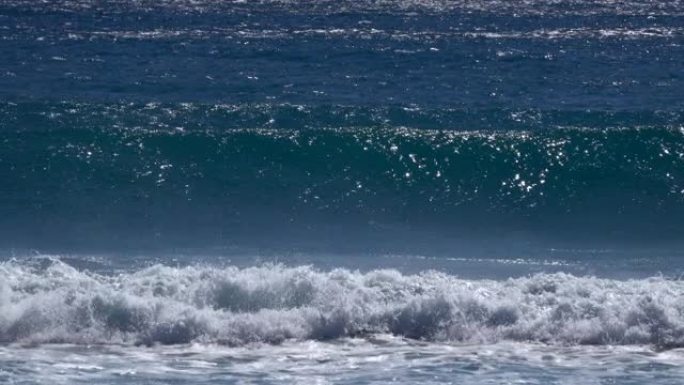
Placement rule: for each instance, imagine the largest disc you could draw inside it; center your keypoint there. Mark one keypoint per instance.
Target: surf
(52, 302)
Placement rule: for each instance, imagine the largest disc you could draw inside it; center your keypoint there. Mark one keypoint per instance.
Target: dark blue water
(467, 191)
(307, 127)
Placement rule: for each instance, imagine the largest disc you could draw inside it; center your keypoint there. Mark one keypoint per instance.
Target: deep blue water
(474, 192)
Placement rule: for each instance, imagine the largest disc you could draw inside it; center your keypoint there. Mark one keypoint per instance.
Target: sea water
(348, 192)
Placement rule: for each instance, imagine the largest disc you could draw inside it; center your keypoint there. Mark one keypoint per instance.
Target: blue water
(341, 192)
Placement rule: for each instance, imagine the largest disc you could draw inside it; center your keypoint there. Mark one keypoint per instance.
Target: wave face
(98, 175)
(419, 127)
(166, 149)
(50, 301)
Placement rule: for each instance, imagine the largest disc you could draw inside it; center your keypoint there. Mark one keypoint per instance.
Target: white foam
(383, 359)
(53, 302)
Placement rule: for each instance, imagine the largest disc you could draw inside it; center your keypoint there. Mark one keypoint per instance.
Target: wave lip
(55, 303)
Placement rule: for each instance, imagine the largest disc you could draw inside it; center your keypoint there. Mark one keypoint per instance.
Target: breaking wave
(49, 301)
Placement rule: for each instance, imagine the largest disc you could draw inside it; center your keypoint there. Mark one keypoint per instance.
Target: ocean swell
(77, 175)
(50, 302)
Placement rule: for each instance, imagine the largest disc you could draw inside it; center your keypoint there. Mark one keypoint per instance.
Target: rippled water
(341, 191)
(383, 359)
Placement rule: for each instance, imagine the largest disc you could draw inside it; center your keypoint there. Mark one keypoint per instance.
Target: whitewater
(274, 323)
(341, 192)
(55, 303)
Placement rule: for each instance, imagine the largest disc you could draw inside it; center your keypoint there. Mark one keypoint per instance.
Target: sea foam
(52, 302)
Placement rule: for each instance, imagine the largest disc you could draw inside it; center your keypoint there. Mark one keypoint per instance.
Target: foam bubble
(54, 302)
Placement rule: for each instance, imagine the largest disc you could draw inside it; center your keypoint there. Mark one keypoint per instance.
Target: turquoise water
(341, 192)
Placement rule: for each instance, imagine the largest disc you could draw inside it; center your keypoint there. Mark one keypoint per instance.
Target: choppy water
(341, 192)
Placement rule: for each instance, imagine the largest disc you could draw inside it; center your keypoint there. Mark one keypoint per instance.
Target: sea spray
(274, 303)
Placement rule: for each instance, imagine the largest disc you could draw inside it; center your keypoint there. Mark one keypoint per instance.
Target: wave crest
(53, 302)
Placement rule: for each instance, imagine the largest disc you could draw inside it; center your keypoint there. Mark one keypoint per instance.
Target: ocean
(341, 192)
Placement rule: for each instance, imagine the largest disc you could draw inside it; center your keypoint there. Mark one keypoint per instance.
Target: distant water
(341, 192)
